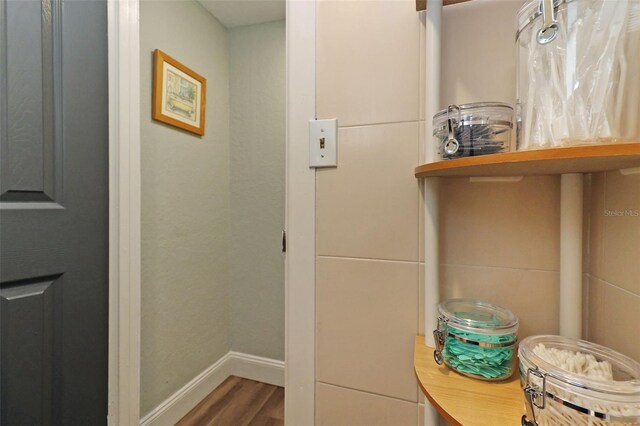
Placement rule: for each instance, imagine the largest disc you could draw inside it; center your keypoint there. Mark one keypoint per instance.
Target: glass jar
(476, 338)
(578, 73)
(472, 129)
(574, 382)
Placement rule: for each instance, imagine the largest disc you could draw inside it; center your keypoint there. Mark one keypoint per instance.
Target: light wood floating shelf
(464, 401)
(580, 159)
(422, 4)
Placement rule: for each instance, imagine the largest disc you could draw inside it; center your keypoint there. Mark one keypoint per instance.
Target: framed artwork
(179, 94)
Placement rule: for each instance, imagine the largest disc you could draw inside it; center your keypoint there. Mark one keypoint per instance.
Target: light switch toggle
(323, 142)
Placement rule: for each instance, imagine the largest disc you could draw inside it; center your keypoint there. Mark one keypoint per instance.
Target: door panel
(27, 345)
(32, 44)
(53, 237)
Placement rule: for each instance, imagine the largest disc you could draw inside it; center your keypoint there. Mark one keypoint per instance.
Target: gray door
(53, 212)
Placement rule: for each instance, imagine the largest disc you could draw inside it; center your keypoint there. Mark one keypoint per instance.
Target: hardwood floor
(239, 402)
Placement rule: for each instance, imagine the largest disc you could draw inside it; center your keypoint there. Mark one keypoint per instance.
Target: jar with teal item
(476, 338)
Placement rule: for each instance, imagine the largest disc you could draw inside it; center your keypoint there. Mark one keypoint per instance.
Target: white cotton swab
(613, 16)
(632, 90)
(575, 362)
(584, 85)
(586, 365)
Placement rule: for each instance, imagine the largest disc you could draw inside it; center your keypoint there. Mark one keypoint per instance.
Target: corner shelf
(579, 159)
(465, 401)
(461, 400)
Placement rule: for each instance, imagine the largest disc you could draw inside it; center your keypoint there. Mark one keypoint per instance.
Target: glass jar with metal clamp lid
(472, 129)
(574, 382)
(578, 73)
(477, 339)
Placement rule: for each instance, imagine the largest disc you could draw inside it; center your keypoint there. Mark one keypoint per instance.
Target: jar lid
(477, 316)
(625, 371)
(474, 108)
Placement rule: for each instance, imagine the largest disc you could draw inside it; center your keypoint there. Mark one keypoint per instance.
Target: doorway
(125, 218)
(213, 206)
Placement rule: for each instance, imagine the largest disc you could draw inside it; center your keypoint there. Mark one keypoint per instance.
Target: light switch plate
(323, 143)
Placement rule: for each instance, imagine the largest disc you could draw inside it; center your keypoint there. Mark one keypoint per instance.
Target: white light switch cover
(323, 143)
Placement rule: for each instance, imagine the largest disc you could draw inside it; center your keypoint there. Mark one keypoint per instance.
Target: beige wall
(613, 253)
(185, 208)
(367, 282)
(257, 124)
(499, 241)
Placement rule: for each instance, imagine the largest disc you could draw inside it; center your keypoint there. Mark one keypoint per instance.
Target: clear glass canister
(578, 73)
(472, 129)
(476, 338)
(570, 382)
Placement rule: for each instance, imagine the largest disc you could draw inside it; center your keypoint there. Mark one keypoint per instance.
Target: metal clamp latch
(550, 27)
(534, 397)
(439, 335)
(452, 145)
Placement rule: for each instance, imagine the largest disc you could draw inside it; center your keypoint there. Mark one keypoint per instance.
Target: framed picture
(179, 94)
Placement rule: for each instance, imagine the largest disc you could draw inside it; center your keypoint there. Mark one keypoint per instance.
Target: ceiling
(234, 13)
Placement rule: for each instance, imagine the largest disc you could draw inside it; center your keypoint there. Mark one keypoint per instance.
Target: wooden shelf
(579, 159)
(422, 4)
(465, 401)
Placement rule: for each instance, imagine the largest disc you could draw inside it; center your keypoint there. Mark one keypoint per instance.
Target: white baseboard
(257, 368)
(180, 403)
(252, 367)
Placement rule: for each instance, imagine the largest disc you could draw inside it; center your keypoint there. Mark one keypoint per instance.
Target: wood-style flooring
(239, 402)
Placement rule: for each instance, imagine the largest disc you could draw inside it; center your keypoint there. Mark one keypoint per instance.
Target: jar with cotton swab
(574, 382)
(578, 73)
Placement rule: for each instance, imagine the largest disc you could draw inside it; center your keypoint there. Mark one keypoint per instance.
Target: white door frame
(124, 214)
(300, 216)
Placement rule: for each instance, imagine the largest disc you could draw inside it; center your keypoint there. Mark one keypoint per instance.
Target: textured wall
(185, 208)
(257, 161)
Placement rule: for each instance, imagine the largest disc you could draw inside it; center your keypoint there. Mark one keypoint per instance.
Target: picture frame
(179, 94)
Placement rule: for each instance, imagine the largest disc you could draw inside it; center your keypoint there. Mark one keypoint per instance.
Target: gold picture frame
(179, 94)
